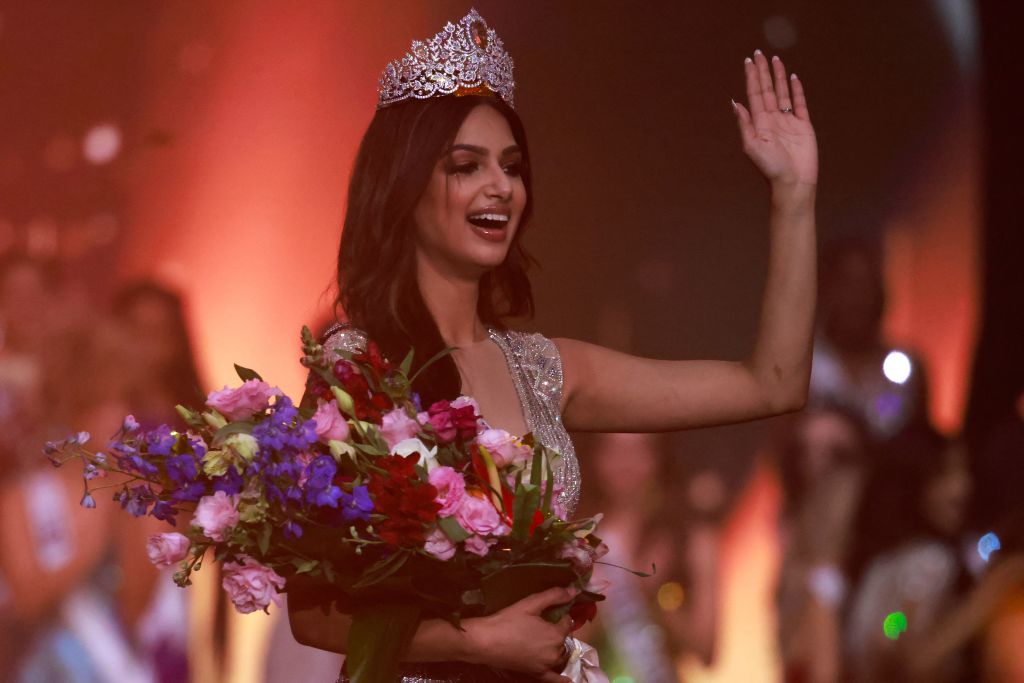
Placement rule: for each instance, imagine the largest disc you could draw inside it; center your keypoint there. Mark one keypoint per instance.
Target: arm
(610, 391)
(515, 638)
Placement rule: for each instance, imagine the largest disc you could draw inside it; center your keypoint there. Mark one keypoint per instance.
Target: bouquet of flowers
(401, 513)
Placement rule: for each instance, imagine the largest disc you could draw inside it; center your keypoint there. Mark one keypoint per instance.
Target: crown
(467, 58)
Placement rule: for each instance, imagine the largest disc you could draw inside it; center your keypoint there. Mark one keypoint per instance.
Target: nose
(499, 185)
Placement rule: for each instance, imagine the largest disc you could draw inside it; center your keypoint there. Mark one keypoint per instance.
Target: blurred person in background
(854, 365)
(822, 464)
(913, 566)
(101, 612)
(647, 624)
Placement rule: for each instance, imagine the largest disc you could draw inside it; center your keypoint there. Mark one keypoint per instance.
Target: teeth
(489, 217)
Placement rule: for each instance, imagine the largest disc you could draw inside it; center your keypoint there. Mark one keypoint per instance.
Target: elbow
(788, 400)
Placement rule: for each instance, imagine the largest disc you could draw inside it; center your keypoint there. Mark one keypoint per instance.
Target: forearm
(435, 640)
(781, 359)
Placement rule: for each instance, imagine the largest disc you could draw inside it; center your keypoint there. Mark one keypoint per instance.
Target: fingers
(538, 602)
(753, 87)
(764, 79)
(566, 625)
(781, 84)
(743, 122)
(799, 101)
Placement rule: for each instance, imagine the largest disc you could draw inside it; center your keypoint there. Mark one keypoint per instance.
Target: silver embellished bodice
(536, 370)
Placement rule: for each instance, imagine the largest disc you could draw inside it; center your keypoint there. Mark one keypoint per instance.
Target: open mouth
(488, 221)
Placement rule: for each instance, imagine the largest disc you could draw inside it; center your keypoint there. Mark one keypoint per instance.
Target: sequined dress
(536, 371)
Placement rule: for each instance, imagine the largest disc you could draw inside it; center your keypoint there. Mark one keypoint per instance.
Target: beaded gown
(536, 371)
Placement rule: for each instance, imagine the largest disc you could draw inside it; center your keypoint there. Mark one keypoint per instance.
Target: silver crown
(463, 59)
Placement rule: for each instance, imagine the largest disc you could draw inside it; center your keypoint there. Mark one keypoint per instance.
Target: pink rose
(396, 426)
(250, 585)
(216, 514)
(504, 448)
(477, 515)
(167, 549)
(478, 546)
(451, 489)
(243, 402)
(439, 545)
(440, 418)
(330, 423)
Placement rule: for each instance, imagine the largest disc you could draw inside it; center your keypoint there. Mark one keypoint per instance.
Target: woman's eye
(462, 169)
(515, 169)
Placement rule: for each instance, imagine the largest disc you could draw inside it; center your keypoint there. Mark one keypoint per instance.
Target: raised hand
(776, 130)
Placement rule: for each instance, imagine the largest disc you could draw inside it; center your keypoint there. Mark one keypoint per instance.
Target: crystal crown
(467, 58)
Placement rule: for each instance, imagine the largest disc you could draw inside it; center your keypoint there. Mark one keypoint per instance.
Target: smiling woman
(431, 258)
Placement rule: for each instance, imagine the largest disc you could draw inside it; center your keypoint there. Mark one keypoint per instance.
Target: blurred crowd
(900, 545)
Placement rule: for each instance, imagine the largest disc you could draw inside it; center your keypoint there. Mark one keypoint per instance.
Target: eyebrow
(482, 151)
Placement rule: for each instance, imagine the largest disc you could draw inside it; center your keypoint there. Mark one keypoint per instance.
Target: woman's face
(470, 211)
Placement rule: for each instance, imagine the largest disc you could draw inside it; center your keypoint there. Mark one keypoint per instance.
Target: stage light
(670, 596)
(897, 367)
(988, 544)
(894, 625)
(102, 143)
(780, 32)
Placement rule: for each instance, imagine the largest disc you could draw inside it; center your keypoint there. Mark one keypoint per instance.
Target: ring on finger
(786, 110)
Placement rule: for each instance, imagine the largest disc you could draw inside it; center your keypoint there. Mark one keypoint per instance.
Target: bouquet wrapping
(389, 511)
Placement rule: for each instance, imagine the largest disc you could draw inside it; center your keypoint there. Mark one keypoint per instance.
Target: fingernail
(733, 103)
(757, 52)
(775, 58)
(792, 77)
(748, 60)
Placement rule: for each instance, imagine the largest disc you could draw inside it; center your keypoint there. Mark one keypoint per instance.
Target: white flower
(428, 456)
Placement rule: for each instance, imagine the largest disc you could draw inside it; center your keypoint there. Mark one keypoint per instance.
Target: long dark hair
(180, 376)
(377, 286)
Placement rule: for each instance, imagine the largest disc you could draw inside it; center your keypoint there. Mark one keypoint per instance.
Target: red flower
(582, 612)
(374, 358)
(407, 503)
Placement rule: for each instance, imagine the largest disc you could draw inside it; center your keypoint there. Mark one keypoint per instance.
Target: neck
(452, 302)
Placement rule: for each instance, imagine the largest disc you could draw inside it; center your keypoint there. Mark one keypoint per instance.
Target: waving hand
(776, 130)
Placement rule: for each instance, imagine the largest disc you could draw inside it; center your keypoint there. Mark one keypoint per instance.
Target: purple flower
(182, 468)
(230, 483)
(163, 510)
(192, 492)
(87, 501)
(292, 530)
(136, 500)
(130, 424)
(356, 505)
(50, 447)
(329, 497)
(90, 471)
(160, 441)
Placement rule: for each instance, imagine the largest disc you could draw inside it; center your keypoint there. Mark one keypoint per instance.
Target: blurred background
(172, 181)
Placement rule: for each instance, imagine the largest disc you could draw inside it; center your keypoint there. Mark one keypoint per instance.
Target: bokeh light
(102, 143)
(671, 596)
(894, 625)
(780, 32)
(897, 367)
(988, 544)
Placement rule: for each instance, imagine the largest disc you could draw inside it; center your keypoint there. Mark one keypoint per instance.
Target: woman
(432, 257)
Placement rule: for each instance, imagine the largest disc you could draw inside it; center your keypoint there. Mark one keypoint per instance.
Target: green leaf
(264, 539)
(378, 639)
(382, 570)
(229, 429)
(407, 363)
(452, 529)
(526, 500)
(246, 374)
(549, 489)
(535, 466)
